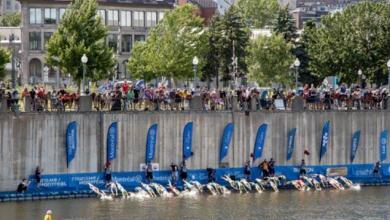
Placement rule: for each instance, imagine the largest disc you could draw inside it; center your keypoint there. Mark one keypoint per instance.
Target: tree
(269, 60)
(80, 32)
(227, 33)
(300, 51)
(211, 67)
(171, 46)
(5, 58)
(285, 25)
(259, 13)
(11, 20)
(356, 38)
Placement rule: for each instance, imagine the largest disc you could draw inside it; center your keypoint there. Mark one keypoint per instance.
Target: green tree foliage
(285, 25)
(259, 13)
(227, 32)
(171, 46)
(80, 32)
(356, 38)
(300, 51)
(269, 60)
(5, 58)
(11, 20)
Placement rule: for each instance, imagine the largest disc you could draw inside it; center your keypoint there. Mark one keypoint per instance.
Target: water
(368, 203)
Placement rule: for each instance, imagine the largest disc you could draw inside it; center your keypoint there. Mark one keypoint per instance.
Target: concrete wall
(33, 139)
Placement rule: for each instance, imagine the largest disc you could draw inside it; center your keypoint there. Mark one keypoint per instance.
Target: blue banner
(291, 143)
(151, 140)
(187, 141)
(324, 139)
(260, 139)
(71, 142)
(354, 144)
(226, 138)
(383, 145)
(112, 141)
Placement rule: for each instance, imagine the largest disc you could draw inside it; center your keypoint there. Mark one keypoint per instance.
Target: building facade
(206, 8)
(9, 6)
(127, 21)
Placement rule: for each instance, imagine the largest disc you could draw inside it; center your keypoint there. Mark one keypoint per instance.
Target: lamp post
(11, 41)
(57, 59)
(45, 74)
(84, 60)
(195, 62)
(360, 73)
(297, 63)
(388, 76)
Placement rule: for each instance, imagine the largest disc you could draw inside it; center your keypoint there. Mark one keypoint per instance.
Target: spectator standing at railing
(129, 99)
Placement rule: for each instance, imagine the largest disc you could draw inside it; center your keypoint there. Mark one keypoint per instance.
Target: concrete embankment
(33, 139)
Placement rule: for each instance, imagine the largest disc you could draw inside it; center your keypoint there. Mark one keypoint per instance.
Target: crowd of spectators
(129, 96)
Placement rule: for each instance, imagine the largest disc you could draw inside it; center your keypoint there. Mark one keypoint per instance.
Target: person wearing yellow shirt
(48, 215)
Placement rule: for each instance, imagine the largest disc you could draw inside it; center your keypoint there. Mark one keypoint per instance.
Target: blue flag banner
(260, 140)
(71, 142)
(290, 142)
(151, 140)
(324, 139)
(112, 141)
(383, 145)
(187, 141)
(226, 138)
(354, 144)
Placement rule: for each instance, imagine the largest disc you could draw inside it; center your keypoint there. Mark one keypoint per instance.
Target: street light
(388, 77)
(360, 73)
(84, 60)
(297, 63)
(57, 59)
(45, 74)
(195, 62)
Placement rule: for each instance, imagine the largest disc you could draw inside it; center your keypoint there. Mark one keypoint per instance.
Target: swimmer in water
(48, 215)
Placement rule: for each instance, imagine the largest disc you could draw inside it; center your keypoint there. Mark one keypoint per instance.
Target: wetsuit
(174, 174)
(38, 175)
(247, 171)
(376, 169)
(211, 175)
(302, 170)
(107, 174)
(149, 172)
(183, 173)
(22, 187)
(271, 165)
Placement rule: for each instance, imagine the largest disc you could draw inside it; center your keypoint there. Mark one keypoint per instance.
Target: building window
(9, 6)
(161, 15)
(126, 18)
(46, 38)
(138, 18)
(35, 40)
(102, 15)
(50, 15)
(126, 43)
(62, 12)
(151, 19)
(35, 16)
(113, 41)
(113, 19)
(139, 38)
